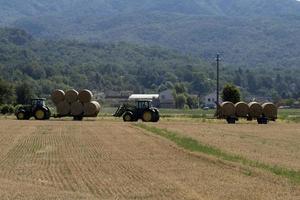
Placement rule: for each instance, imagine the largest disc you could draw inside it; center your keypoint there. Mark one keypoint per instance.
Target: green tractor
(139, 110)
(36, 109)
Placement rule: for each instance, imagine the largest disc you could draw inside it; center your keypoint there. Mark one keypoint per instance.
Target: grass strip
(195, 146)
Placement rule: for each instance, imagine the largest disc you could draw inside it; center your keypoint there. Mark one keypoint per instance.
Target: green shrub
(7, 109)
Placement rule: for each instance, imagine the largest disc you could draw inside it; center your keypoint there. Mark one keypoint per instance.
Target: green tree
(180, 101)
(231, 93)
(180, 88)
(7, 95)
(24, 93)
(192, 102)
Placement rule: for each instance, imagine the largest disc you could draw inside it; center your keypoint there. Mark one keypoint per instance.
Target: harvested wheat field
(114, 160)
(276, 143)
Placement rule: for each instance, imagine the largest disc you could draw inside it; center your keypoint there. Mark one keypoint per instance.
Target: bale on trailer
(76, 108)
(242, 109)
(91, 109)
(85, 96)
(63, 108)
(227, 109)
(57, 96)
(270, 110)
(256, 110)
(71, 96)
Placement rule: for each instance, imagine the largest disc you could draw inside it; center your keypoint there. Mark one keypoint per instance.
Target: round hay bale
(227, 109)
(71, 96)
(242, 109)
(85, 96)
(57, 96)
(256, 110)
(63, 108)
(76, 108)
(269, 110)
(91, 109)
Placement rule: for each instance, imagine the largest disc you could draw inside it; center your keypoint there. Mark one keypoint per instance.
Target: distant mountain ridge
(246, 32)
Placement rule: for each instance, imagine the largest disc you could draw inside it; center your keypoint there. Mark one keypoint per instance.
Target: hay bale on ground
(227, 109)
(256, 110)
(71, 96)
(91, 109)
(76, 108)
(85, 96)
(57, 96)
(242, 109)
(270, 110)
(63, 108)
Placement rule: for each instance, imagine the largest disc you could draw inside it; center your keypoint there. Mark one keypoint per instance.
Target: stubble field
(107, 159)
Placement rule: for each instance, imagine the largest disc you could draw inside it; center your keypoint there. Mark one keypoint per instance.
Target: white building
(210, 99)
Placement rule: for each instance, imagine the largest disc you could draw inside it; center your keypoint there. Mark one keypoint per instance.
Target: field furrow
(112, 160)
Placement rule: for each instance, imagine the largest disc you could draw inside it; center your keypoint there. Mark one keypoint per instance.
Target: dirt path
(111, 160)
(275, 143)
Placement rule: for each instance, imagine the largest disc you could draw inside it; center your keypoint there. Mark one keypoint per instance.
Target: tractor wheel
(48, 114)
(40, 114)
(147, 116)
(21, 115)
(128, 117)
(156, 117)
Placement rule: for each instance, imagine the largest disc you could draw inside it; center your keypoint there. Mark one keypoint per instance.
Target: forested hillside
(247, 33)
(46, 65)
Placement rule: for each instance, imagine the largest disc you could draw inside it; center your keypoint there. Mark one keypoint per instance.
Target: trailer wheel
(77, 118)
(262, 120)
(231, 120)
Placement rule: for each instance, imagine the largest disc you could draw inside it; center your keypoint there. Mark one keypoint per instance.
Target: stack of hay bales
(227, 109)
(75, 103)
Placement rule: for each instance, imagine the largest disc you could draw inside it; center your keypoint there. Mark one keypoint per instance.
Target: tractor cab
(40, 102)
(37, 109)
(140, 109)
(143, 104)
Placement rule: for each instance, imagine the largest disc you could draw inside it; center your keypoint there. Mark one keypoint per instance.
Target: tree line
(43, 65)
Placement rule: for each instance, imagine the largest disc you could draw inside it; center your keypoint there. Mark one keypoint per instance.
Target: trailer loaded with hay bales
(263, 113)
(75, 104)
(68, 104)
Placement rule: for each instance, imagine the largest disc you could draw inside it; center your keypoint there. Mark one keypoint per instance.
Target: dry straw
(91, 109)
(63, 108)
(242, 109)
(227, 109)
(57, 96)
(269, 110)
(71, 96)
(256, 110)
(85, 96)
(76, 108)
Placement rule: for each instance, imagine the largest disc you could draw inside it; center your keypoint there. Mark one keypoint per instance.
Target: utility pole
(218, 82)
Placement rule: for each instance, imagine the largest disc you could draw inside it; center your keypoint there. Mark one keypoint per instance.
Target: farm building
(210, 99)
(115, 98)
(166, 99)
